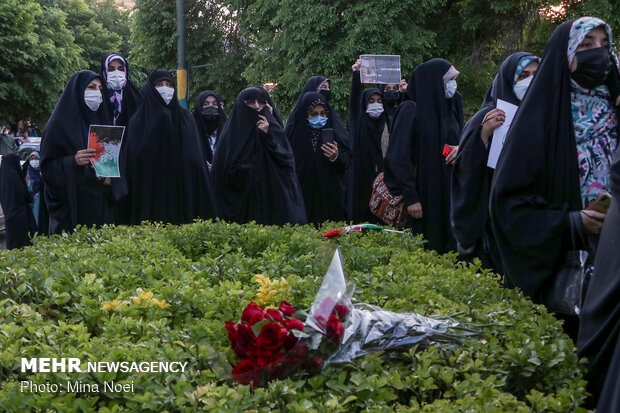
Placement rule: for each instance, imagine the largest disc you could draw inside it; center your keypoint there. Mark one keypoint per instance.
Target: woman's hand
(402, 86)
(105, 181)
(452, 155)
(494, 119)
(82, 157)
(592, 221)
(262, 123)
(330, 150)
(415, 210)
(356, 67)
(269, 107)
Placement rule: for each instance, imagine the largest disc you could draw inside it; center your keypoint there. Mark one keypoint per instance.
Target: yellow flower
(144, 295)
(161, 304)
(111, 305)
(270, 293)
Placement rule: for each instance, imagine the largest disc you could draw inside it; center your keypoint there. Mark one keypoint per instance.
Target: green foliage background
(42, 42)
(53, 293)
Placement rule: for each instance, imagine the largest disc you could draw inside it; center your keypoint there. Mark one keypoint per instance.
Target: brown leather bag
(388, 208)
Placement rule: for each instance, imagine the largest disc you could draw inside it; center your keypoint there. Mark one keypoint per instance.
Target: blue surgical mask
(450, 88)
(317, 122)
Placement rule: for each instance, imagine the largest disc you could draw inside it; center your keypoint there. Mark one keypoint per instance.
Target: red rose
(275, 315)
(334, 330)
(342, 311)
(294, 324)
(314, 364)
(290, 342)
(286, 309)
(271, 337)
(252, 314)
(297, 354)
(327, 306)
(246, 372)
(241, 338)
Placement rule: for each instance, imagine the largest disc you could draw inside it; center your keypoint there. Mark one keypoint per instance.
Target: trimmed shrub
(57, 299)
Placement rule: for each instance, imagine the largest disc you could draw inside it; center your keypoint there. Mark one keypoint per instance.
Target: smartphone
(600, 204)
(328, 135)
(446, 151)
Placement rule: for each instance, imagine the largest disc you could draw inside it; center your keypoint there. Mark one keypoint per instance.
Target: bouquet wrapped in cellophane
(276, 343)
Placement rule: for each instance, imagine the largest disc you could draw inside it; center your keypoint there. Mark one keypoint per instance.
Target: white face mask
(34, 163)
(521, 87)
(450, 88)
(116, 80)
(166, 93)
(374, 110)
(93, 99)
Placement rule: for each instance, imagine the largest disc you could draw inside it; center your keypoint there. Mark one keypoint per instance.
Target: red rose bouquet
(275, 343)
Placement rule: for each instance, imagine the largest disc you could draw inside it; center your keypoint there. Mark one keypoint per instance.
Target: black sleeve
(400, 167)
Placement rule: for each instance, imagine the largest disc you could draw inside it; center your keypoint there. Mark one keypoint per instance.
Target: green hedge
(53, 296)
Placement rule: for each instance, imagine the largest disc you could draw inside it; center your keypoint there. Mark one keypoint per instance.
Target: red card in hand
(446, 151)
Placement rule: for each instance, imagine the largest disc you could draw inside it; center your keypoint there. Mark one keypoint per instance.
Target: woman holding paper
(367, 125)
(73, 192)
(166, 174)
(556, 157)
(426, 126)
(471, 177)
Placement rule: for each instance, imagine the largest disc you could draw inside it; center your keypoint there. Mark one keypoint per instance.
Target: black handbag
(569, 285)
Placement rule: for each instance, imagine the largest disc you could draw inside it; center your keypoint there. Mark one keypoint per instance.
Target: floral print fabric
(594, 121)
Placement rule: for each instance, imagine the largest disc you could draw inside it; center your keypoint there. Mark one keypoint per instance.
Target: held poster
(499, 134)
(380, 69)
(106, 141)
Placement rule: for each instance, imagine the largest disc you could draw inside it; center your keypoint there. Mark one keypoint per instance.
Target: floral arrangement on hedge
(176, 286)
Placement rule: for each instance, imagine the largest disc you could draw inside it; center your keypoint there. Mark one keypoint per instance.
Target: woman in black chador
(210, 119)
(599, 330)
(367, 124)
(556, 157)
(16, 203)
(428, 120)
(254, 166)
(73, 193)
(321, 85)
(167, 177)
(320, 165)
(471, 177)
(122, 99)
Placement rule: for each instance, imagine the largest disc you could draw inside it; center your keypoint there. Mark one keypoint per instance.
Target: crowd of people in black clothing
(519, 218)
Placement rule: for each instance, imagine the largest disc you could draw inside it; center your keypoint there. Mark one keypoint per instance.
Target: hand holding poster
(499, 134)
(382, 69)
(106, 141)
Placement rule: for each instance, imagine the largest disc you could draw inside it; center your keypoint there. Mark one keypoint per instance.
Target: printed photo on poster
(380, 69)
(106, 141)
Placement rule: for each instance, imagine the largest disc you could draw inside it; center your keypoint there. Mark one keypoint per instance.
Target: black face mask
(391, 96)
(210, 113)
(326, 93)
(593, 67)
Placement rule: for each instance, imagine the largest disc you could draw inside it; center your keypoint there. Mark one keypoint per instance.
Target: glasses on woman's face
(254, 101)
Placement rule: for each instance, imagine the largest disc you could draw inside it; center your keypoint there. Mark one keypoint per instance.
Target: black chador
(73, 194)
(167, 177)
(253, 171)
(414, 166)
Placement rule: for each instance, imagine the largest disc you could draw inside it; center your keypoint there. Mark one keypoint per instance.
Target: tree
(115, 19)
(93, 39)
(212, 37)
(39, 55)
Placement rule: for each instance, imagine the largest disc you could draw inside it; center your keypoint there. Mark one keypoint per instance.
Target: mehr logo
(51, 365)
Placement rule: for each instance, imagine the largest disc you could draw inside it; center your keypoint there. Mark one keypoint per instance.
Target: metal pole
(182, 80)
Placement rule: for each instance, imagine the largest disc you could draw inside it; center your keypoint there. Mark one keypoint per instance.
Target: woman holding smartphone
(321, 158)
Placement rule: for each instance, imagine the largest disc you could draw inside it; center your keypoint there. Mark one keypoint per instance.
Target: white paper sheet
(499, 135)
